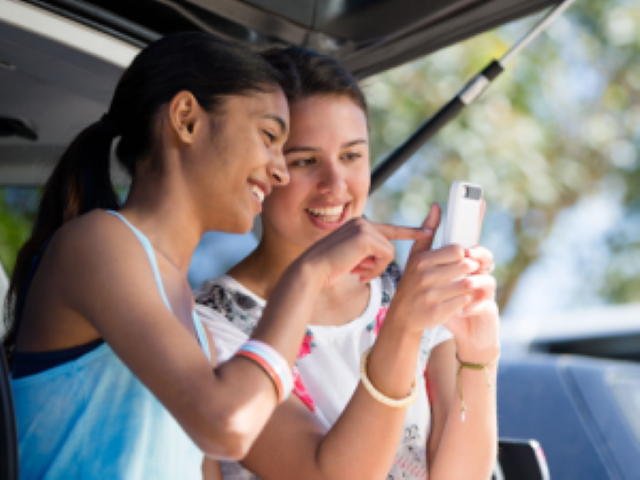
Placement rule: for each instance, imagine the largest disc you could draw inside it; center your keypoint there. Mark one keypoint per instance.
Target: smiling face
(327, 155)
(238, 159)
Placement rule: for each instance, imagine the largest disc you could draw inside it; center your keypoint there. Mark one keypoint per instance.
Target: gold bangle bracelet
(471, 366)
(390, 402)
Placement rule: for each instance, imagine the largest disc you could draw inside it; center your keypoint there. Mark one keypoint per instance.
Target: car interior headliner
(60, 59)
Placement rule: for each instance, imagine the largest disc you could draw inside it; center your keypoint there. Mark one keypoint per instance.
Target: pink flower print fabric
(300, 390)
(307, 345)
(377, 323)
(298, 385)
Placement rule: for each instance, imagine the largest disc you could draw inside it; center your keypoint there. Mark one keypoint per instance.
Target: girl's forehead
(320, 117)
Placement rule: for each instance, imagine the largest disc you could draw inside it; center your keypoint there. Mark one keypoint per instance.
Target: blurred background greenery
(559, 129)
(554, 142)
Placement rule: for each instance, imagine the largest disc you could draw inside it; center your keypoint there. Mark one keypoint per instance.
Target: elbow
(237, 436)
(229, 435)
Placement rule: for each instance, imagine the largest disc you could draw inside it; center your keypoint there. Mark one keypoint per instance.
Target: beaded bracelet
(272, 363)
(390, 402)
(471, 366)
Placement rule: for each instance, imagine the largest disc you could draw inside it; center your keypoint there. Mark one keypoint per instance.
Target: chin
(241, 227)
(236, 223)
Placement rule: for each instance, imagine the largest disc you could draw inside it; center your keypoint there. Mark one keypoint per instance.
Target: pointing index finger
(395, 232)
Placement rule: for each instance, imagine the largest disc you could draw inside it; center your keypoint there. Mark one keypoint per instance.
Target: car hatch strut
(451, 110)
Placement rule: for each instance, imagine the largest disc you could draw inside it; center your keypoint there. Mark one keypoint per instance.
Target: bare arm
(441, 378)
(211, 470)
(470, 447)
(363, 441)
(458, 447)
(104, 277)
(441, 384)
(210, 467)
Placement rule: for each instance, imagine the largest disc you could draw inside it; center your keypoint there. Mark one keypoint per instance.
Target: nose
(277, 170)
(332, 179)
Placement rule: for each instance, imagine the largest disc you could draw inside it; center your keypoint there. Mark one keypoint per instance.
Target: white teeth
(329, 211)
(258, 192)
(329, 214)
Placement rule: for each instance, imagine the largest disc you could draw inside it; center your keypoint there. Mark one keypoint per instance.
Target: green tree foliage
(562, 123)
(17, 211)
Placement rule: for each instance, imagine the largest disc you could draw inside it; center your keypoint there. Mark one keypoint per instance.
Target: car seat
(8, 432)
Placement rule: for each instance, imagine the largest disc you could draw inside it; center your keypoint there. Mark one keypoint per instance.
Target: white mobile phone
(462, 225)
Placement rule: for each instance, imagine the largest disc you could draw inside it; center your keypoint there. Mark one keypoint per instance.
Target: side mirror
(520, 460)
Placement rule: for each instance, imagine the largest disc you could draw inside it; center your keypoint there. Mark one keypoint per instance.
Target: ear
(184, 116)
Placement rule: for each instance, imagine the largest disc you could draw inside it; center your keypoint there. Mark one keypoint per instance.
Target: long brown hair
(307, 73)
(208, 67)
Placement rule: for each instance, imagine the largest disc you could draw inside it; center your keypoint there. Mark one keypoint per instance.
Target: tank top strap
(202, 336)
(148, 248)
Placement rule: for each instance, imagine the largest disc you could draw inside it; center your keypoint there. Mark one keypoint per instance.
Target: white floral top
(327, 371)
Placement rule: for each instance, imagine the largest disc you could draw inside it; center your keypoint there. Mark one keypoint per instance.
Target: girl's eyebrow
(281, 123)
(301, 149)
(354, 142)
(317, 149)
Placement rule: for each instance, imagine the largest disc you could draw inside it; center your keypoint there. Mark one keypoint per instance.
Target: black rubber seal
(492, 70)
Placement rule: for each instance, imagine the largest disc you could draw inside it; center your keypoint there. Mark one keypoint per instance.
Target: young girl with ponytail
(110, 369)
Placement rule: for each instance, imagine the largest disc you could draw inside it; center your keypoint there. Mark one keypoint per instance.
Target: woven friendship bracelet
(390, 402)
(471, 366)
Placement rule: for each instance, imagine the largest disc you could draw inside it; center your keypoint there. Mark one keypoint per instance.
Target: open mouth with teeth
(258, 193)
(328, 215)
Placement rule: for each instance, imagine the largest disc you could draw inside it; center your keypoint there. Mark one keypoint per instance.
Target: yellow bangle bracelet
(390, 402)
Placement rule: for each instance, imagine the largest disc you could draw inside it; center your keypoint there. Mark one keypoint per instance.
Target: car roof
(60, 59)
(606, 331)
(368, 36)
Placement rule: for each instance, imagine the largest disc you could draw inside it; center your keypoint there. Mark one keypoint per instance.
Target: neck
(261, 270)
(159, 206)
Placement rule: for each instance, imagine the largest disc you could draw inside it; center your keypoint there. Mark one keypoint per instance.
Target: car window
(626, 391)
(4, 286)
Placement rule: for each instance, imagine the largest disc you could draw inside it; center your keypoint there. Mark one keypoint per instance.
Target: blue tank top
(92, 418)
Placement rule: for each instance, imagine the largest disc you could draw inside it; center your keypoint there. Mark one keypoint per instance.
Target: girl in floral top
(328, 161)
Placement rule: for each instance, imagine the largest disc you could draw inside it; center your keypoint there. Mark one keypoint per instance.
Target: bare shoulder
(82, 278)
(97, 229)
(95, 239)
(96, 255)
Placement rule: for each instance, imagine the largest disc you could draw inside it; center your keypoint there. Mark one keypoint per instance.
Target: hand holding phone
(464, 212)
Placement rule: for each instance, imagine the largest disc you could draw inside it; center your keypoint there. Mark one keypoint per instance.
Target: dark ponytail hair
(208, 67)
(307, 73)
